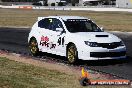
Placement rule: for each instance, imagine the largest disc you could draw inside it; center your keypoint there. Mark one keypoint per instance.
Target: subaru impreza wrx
(75, 38)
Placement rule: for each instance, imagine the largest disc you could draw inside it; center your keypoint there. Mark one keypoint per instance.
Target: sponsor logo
(45, 42)
(85, 80)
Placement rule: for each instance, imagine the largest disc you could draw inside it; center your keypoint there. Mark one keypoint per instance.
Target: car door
(57, 38)
(44, 27)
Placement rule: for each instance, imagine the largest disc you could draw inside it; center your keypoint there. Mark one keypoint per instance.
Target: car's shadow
(89, 62)
(107, 62)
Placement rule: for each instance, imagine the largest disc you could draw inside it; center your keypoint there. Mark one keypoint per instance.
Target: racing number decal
(61, 41)
(50, 20)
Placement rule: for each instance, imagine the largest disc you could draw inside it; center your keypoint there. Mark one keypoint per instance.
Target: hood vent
(101, 36)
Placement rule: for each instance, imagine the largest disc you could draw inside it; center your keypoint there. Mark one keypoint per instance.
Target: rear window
(44, 23)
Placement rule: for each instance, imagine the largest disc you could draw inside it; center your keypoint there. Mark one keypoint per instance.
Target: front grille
(107, 54)
(109, 45)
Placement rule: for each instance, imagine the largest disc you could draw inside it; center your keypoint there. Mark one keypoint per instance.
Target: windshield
(81, 25)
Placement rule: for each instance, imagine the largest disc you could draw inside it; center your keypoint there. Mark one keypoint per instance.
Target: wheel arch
(70, 43)
(31, 39)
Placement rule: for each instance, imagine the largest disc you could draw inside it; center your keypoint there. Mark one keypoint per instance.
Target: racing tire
(72, 54)
(33, 47)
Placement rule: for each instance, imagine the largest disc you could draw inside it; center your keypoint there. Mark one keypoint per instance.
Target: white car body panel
(76, 38)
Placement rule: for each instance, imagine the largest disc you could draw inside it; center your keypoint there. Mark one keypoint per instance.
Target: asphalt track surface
(15, 40)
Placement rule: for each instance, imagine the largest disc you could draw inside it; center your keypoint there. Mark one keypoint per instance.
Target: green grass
(18, 75)
(111, 21)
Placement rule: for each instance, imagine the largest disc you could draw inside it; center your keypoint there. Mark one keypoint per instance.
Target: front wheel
(72, 54)
(33, 47)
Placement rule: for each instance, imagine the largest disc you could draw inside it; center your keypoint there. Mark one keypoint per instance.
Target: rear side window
(44, 23)
(56, 24)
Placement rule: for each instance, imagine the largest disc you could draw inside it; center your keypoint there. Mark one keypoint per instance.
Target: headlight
(91, 44)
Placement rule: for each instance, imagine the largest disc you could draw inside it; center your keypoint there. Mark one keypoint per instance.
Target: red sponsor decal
(44, 38)
(45, 42)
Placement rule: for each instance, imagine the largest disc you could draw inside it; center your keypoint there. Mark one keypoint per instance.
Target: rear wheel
(72, 54)
(33, 47)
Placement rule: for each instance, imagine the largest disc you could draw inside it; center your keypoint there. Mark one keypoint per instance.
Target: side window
(44, 23)
(57, 24)
(50, 26)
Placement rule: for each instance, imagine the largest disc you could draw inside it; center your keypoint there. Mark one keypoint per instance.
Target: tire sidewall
(37, 52)
(76, 57)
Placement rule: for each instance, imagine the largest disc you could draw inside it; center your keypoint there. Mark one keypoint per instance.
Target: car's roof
(64, 17)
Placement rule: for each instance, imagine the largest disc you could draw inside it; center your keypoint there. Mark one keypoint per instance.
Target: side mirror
(59, 29)
(102, 28)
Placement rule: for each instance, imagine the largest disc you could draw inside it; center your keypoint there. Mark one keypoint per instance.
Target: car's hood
(100, 37)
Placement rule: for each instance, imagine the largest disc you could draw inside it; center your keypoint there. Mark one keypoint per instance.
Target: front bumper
(107, 54)
(98, 53)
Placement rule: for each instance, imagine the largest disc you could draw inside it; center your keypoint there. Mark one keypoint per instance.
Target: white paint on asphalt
(73, 8)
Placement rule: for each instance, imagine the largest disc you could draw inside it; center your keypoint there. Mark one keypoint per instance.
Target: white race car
(75, 38)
